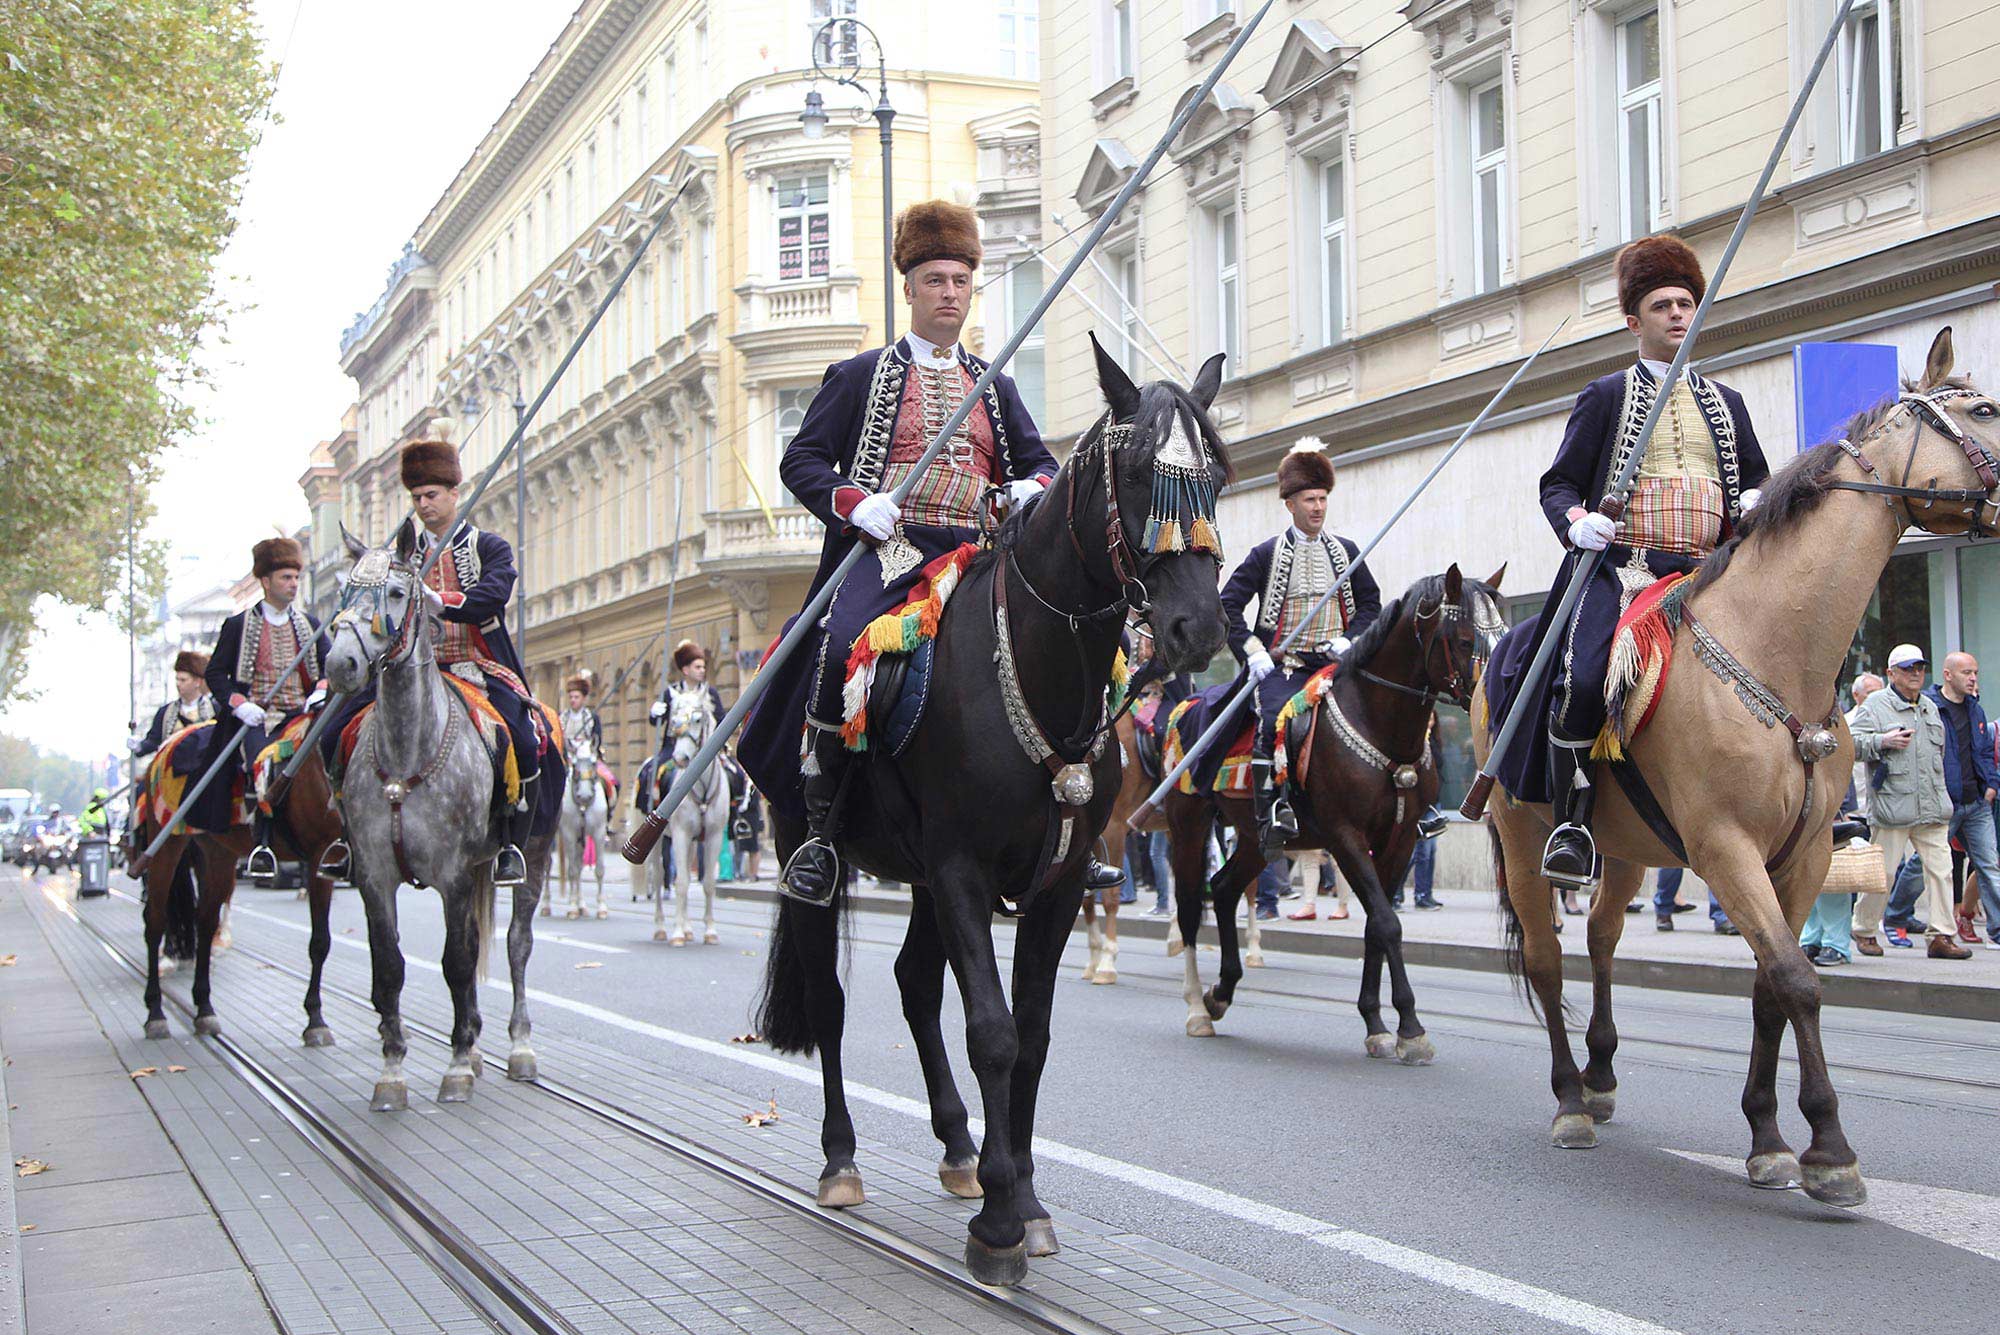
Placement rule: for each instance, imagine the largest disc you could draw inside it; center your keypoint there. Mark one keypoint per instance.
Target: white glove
(250, 714)
(1260, 665)
(434, 600)
(317, 698)
(1021, 492)
(658, 711)
(133, 744)
(1593, 532)
(1751, 497)
(1341, 643)
(876, 515)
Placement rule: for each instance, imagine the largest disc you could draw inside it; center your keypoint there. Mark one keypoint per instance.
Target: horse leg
(1236, 878)
(462, 928)
(710, 882)
(815, 937)
(920, 979)
(319, 906)
(1253, 935)
(1535, 953)
(218, 882)
(684, 848)
(1381, 942)
(1107, 965)
(963, 894)
(657, 877)
(385, 956)
(520, 945)
(1094, 936)
(1038, 946)
(1189, 859)
(159, 889)
(1622, 880)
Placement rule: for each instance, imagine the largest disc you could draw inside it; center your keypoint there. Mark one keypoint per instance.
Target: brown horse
(307, 820)
(1368, 776)
(1782, 599)
(215, 857)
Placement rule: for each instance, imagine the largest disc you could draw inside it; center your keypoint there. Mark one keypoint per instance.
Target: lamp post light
(520, 405)
(837, 40)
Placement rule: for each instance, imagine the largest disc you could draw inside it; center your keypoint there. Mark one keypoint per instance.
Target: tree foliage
(125, 131)
(52, 777)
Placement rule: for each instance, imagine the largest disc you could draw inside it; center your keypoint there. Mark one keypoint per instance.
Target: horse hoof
(1834, 1184)
(1200, 1026)
(1381, 1045)
(573, 914)
(317, 1036)
(1106, 978)
(1573, 1131)
(158, 1029)
(660, 935)
(1214, 1005)
(1418, 1051)
(677, 939)
(207, 1026)
(602, 913)
(1777, 1171)
(1090, 973)
(456, 1088)
(711, 938)
(1001, 1267)
(840, 1189)
(1041, 1239)
(390, 1096)
(521, 1066)
(1254, 960)
(1600, 1103)
(961, 1178)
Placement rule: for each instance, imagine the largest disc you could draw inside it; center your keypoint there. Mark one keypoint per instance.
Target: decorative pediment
(1221, 115)
(1460, 27)
(1111, 164)
(1313, 75)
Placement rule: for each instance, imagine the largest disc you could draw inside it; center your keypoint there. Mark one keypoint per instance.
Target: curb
(1955, 1000)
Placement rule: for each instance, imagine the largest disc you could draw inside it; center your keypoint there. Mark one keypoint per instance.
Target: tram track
(507, 1303)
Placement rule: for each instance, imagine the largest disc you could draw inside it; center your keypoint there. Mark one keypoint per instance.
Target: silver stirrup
(262, 862)
(1589, 879)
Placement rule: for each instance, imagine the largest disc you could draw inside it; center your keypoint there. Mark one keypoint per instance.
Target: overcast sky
(378, 106)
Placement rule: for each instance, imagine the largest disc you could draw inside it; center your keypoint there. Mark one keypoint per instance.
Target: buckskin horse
(1364, 767)
(1778, 606)
(970, 818)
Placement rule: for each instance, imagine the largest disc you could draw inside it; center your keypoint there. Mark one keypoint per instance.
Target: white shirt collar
(1298, 534)
(923, 349)
(1659, 369)
(273, 615)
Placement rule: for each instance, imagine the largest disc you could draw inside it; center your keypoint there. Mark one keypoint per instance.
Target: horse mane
(1364, 646)
(1797, 489)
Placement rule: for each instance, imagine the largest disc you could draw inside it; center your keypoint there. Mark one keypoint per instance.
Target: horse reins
(1926, 409)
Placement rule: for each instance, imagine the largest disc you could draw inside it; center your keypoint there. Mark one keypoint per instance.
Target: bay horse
(1369, 774)
(1779, 604)
(306, 818)
(586, 815)
(416, 801)
(970, 821)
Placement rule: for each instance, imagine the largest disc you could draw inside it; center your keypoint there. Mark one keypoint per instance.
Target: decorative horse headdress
(1183, 511)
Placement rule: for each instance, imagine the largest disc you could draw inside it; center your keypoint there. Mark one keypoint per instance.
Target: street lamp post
(845, 52)
(471, 409)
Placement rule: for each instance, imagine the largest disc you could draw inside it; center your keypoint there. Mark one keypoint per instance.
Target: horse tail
(784, 1005)
(1510, 923)
(482, 925)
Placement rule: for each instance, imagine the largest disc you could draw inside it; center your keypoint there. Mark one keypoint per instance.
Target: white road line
(573, 943)
(1962, 1219)
(1470, 1280)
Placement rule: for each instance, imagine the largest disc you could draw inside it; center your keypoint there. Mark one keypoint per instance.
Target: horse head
(1162, 466)
(1956, 439)
(583, 778)
(689, 721)
(1427, 642)
(382, 619)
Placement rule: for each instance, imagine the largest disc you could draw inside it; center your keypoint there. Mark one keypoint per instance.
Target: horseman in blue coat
(264, 669)
(1701, 472)
(1287, 575)
(870, 421)
(468, 590)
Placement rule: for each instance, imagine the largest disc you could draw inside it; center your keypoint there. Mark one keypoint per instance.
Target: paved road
(1423, 1199)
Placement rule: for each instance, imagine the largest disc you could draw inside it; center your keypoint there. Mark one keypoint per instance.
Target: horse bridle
(402, 642)
(1453, 686)
(1927, 409)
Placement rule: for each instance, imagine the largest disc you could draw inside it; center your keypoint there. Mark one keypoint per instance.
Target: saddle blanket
(486, 722)
(166, 790)
(907, 630)
(1642, 651)
(275, 754)
(1230, 775)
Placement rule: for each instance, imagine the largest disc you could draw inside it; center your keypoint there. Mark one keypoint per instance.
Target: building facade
(649, 478)
(1383, 207)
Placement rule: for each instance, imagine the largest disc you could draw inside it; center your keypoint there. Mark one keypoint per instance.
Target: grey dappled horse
(417, 801)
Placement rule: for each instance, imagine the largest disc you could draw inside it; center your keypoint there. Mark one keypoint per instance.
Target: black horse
(969, 820)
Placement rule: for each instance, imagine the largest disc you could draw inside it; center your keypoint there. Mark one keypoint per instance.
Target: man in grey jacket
(1901, 730)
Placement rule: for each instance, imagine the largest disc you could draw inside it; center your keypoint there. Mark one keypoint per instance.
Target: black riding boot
(1102, 875)
(1276, 824)
(1570, 856)
(263, 862)
(510, 866)
(812, 873)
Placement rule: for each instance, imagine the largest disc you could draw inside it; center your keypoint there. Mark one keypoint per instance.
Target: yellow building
(651, 473)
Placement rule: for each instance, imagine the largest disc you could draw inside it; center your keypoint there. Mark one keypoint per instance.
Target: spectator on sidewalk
(1912, 801)
(1971, 779)
(1827, 937)
(1423, 869)
(1272, 882)
(1668, 892)
(1327, 881)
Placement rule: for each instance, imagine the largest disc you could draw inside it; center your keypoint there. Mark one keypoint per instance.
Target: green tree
(125, 130)
(56, 778)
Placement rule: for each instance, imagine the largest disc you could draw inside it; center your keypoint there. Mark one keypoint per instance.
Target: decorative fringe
(1183, 514)
(1121, 676)
(897, 632)
(1641, 651)
(1303, 701)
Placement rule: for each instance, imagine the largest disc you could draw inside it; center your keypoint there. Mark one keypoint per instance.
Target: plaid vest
(947, 495)
(262, 657)
(1300, 573)
(454, 643)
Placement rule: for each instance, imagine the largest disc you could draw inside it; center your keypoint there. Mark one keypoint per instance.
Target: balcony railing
(743, 540)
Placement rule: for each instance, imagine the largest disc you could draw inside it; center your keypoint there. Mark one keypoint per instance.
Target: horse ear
(1207, 381)
(1119, 391)
(356, 548)
(1454, 584)
(1493, 580)
(406, 540)
(1937, 366)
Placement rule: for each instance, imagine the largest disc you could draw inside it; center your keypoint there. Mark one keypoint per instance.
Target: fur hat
(686, 652)
(577, 683)
(1305, 468)
(1654, 262)
(937, 229)
(191, 661)
(276, 554)
(432, 461)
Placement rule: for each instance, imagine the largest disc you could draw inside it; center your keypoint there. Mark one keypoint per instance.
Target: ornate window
(805, 226)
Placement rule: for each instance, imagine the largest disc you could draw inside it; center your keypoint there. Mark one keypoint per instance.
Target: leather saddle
(897, 697)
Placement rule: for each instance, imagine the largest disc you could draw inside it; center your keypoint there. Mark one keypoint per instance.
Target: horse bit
(1928, 410)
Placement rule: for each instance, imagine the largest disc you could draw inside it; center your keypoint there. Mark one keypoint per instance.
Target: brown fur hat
(276, 554)
(1653, 262)
(577, 684)
(686, 652)
(433, 460)
(1305, 469)
(937, 229)
(191, 661)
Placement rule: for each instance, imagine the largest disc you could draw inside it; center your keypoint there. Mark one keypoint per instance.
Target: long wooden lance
(1218, 726)
(1613, 504)
(640, 845)
(527, 420)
